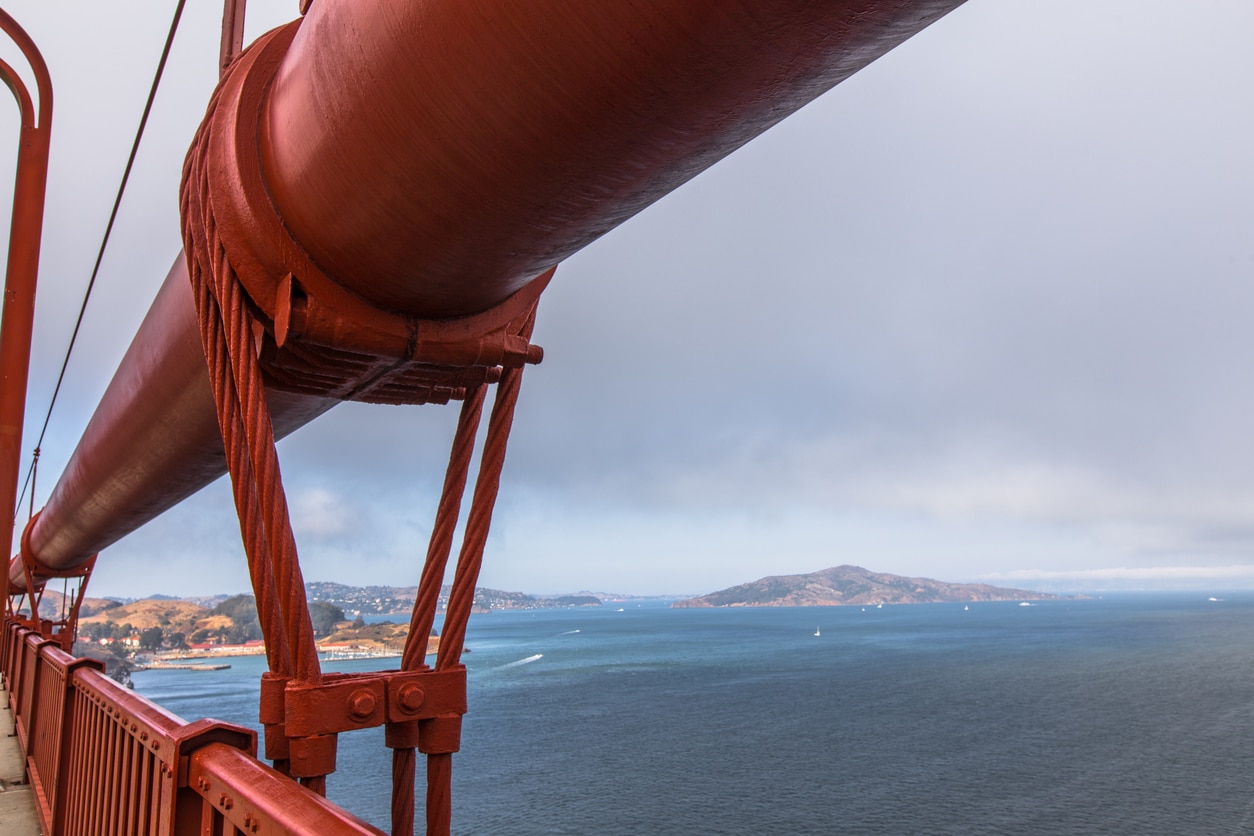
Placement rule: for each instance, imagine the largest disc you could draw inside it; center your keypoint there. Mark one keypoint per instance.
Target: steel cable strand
(469, 562)
(404, 774)
(259, 434)
(246, 506)
(278, 659)
(461, 598)
(439, 794)
(404, 758)
(230, 424)
(247, 478)
(441, 543)
(213, 340)
(470, 559)
(274, 522)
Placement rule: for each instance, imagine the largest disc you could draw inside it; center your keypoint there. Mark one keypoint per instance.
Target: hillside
(216, 619)
(171, 615)
(853, 586)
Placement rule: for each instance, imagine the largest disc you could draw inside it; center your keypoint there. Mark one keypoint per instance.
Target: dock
(17, 802)
(176, 666)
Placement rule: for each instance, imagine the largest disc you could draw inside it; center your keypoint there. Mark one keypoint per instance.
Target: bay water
(1116, 714)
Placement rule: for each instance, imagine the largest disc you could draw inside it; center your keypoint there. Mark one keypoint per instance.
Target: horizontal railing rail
(103, 760)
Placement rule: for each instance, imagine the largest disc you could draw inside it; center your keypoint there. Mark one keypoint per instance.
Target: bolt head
(361, 705)
(412, 697)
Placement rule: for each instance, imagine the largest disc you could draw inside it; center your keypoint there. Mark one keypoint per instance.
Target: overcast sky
(982, 312)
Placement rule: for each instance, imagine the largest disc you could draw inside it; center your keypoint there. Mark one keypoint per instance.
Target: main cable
(104, 243)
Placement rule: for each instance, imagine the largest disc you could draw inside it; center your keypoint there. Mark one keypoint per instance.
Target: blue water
(1129, 714)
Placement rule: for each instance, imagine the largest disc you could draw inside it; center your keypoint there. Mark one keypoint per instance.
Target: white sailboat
(816, 632)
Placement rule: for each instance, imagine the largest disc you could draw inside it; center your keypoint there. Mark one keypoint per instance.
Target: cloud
(984, 307)
(321, 514)
(1243, 571)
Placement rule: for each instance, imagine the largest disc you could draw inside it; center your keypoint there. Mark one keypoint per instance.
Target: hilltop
(853, 586)
(170, 614)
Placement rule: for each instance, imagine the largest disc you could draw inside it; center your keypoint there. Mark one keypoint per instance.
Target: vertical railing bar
(96, 772)
(154, 798)
(132, 791)
(125, 792)
(65, 781)
(76, 821)
(109, 731)
(57, 743)
(126, 784)
(115, 777)
(91, 784)
(141, 793)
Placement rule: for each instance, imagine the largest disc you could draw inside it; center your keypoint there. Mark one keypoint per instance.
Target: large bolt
(361, 705)
(412, 697)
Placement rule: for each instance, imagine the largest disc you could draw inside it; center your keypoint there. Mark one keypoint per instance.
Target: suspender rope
(307, 345)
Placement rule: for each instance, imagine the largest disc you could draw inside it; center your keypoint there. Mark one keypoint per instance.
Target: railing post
(27, 684)
(9, 653)
(68, 731)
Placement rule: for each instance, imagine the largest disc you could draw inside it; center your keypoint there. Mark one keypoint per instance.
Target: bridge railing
(103, 760)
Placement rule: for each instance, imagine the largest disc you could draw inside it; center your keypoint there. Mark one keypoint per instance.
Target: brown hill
(172, 616)
(853, 586)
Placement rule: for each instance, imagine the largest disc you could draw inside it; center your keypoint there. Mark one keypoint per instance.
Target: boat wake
(569, 633)
(526, 661)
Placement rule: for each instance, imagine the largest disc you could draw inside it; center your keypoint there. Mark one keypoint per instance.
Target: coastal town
(162, 632)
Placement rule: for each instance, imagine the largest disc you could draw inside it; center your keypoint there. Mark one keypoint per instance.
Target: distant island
(854, 586)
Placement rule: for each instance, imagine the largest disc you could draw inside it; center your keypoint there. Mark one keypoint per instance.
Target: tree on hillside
(151, 638)
(242, 610)
(237, 608)
(324, 616)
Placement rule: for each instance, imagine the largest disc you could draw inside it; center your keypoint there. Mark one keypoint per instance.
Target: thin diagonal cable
(104, 243)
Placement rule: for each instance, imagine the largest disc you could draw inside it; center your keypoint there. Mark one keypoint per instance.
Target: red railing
(102, 760)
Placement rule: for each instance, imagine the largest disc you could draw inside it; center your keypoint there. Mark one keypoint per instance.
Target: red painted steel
(372, 207)
(25, 234)
(104, 760)
(438, 181)
(143, 462)
(434, 157)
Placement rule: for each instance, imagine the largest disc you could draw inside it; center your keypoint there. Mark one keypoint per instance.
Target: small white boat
(1024, 604)
(965, 608)
(816, 632)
